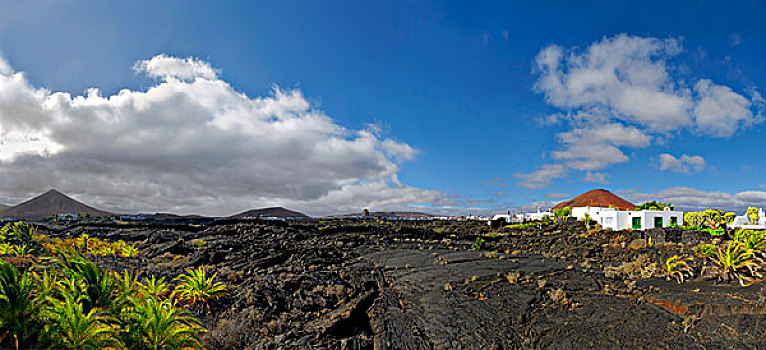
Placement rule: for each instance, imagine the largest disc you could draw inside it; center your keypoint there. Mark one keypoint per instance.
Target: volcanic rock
(637, 243)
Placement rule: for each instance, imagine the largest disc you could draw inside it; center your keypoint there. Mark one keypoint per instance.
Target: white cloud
(719, 111)
(756, 197)
(192, 143)
(690, 199)
(166, 67)
(597, 177)
(595, 147)
(684, 164)
(623, 92)
(626, 75)
(542, 177)
(398, 150)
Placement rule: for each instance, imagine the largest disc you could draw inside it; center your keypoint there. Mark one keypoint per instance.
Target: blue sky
(456, 88)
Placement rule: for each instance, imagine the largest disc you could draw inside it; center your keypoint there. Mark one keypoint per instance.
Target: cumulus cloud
(684, 164)
(595, 147)
(542, 177)
(192, 143)
(625, 75)
(691, 199)
(166, 67)
(720, 112)
(624, 92)
(597, 177)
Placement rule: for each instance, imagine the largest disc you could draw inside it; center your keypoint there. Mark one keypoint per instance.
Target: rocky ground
(418, 285)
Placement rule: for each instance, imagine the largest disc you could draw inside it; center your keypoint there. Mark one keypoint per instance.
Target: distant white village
(596, 206)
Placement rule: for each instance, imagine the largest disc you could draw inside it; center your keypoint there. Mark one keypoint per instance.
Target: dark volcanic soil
(417, 285)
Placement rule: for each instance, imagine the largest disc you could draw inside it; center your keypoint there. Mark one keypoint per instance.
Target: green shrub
(526, 224)
(197, 287)
(158, 324)
(478, 244)
(735, 261)
(587, 220)
(69, 326)
(750, 239)
(563, 213)
(18, 232)
(68, 302)
(654, 205)
(706, 250)
(678, 268)
(17, 305)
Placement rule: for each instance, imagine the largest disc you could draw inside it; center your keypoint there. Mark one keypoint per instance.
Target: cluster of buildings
(612, 218)
(609, 211)
(613, 212)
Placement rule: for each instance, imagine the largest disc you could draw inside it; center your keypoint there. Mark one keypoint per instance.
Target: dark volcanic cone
(274, 212)
(597, 198)
(51, 203)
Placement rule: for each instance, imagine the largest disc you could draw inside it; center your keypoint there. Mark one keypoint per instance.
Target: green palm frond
(19, 231)
(155, 287)
(68, 326)
(22, 250)
(128, 251)
(735, 260)
(17, 304)
(6, 249)
(196, 287)
(678, 268)
(157, 324)
(753, 240)
(101, 287)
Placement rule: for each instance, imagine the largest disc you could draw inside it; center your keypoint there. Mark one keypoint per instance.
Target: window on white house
(607, 221)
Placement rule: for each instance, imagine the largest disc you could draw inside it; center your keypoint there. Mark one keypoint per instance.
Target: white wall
(623, 220)
(648, 216)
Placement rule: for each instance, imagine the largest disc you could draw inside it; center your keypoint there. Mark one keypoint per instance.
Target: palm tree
(155, 287)
(157, 324)
(68, 326)
(19, 231)
(101, 287)
(196, 287)
(17, 306)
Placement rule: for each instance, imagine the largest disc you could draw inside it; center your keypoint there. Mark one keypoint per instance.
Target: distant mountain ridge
(51, 203)
(390, 214)
(274, 212)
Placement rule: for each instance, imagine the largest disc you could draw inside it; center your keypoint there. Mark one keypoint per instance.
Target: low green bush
(478, 244)
(65, 301)
(706, 250)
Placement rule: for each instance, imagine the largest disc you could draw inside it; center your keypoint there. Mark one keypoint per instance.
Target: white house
(637, 220)
(510, 218)
(539, 215)
(507, 217)
(743, 221)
